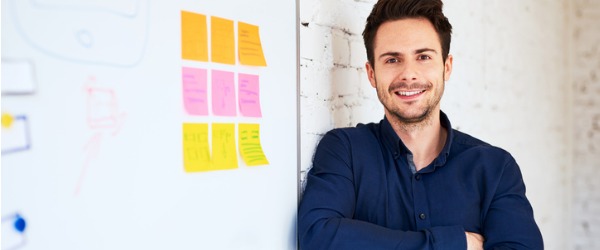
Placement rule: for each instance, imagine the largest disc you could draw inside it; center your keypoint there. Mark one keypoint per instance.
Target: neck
(424, 139)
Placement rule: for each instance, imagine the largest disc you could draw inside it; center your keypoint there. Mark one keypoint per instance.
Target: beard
(416, 113)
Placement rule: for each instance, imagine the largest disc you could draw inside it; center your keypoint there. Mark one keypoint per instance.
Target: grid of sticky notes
(222, 91)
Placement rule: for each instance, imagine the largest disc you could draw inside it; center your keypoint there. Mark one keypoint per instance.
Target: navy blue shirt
(361, 194)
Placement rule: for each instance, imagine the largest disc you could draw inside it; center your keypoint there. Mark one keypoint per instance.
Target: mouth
(407, 95)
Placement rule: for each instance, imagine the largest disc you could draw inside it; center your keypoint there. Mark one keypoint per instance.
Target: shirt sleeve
(509, 222)
(325, 216)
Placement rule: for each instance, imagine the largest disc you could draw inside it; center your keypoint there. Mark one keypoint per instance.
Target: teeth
(408, 93)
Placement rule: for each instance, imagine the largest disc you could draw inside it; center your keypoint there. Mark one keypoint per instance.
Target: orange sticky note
(223, 146)
(250, 49)
(196, 154)
(250, 148)
(194, 37)
(222, 40)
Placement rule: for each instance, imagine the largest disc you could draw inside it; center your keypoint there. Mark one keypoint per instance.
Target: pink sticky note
(194, 91)
(223, 93)
(248, 97)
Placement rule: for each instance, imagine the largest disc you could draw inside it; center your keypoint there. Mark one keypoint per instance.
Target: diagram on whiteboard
(15, 133)
(103, 117)
(119, 40)
(227, 93)
(13, 231)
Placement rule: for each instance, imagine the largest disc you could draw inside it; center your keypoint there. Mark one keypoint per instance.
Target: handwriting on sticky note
(194, 36)
(222, 40)
(194, 91)
(196, 152)
(250, 49)
(248, 96)
(223, 93)
(250, 147)
(223, 146)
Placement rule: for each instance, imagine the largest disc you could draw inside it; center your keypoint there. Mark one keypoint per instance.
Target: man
(411, 181)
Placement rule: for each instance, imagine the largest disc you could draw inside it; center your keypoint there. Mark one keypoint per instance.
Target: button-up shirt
(362, 194)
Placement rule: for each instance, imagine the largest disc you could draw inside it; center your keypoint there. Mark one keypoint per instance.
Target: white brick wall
(510, 87)
(585, 79)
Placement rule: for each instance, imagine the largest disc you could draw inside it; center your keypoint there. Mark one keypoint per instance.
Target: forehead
(406, 34)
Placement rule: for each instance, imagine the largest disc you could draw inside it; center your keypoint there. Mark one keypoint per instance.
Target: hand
(474, 241)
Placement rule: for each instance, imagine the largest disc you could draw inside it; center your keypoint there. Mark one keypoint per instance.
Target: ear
(448, 67)
(371, 74)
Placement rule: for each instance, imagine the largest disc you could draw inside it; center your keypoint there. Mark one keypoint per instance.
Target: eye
(391, 60)
(424, 57)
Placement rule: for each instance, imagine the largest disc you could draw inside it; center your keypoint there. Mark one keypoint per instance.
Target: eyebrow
(418, 51)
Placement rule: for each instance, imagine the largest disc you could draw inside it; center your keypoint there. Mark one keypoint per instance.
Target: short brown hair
(391, 10)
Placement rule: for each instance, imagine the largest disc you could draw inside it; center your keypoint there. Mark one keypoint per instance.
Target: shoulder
(466, 144)
(360, 132)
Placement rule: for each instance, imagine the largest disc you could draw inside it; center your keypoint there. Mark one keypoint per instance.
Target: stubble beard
(404, 121)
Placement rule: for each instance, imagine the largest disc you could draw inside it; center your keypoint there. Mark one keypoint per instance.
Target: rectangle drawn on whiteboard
(250, 49)
(17, 77)
(250, 147)
(15, 134)
(196, 152)
(194, 36)
(249, 95)
(194, 91)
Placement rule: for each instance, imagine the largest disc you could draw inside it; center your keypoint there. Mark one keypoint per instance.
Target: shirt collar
(393, 141)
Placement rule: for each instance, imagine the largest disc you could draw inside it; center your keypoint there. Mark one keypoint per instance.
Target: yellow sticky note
(223, 146)
(7, 120)
(250, 147)
(222, 40)
(196, 153)
(250, 49)
(194, 37)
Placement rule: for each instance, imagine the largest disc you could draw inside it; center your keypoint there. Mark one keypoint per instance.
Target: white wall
(584, 35)
(509, 87)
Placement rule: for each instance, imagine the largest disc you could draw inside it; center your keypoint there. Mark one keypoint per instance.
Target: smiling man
(411, 181)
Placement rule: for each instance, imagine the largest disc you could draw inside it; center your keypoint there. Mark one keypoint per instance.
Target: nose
(408, 71)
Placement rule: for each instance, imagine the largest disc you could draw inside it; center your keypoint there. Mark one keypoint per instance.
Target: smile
(409, 93)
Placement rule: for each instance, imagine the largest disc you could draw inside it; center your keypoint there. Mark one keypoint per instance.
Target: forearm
(344, 233)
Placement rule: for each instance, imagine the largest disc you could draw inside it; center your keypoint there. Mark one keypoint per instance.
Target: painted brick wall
(585, 79)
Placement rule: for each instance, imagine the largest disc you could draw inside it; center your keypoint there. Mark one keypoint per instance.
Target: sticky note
(248, 96)
(194, 91)
(15, 134)
(222, 40)
(194, 36)
(17, 77)
(224, 154)
(223, 93)
(196, 152)
(249, 46)
(250, 147)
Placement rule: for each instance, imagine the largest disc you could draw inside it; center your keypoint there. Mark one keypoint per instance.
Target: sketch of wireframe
(13, 232)
(16, 136)
(103, 109)
(103, 115)
(109, 32)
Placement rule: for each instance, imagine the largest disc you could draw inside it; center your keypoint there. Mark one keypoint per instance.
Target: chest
(390, 195)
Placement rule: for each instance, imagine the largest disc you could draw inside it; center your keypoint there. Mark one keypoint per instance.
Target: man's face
(408, 71)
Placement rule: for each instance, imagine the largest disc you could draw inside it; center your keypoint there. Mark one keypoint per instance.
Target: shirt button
(422, 216)
(418, 177)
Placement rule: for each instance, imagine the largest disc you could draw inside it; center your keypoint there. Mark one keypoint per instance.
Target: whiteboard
(94, 108)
